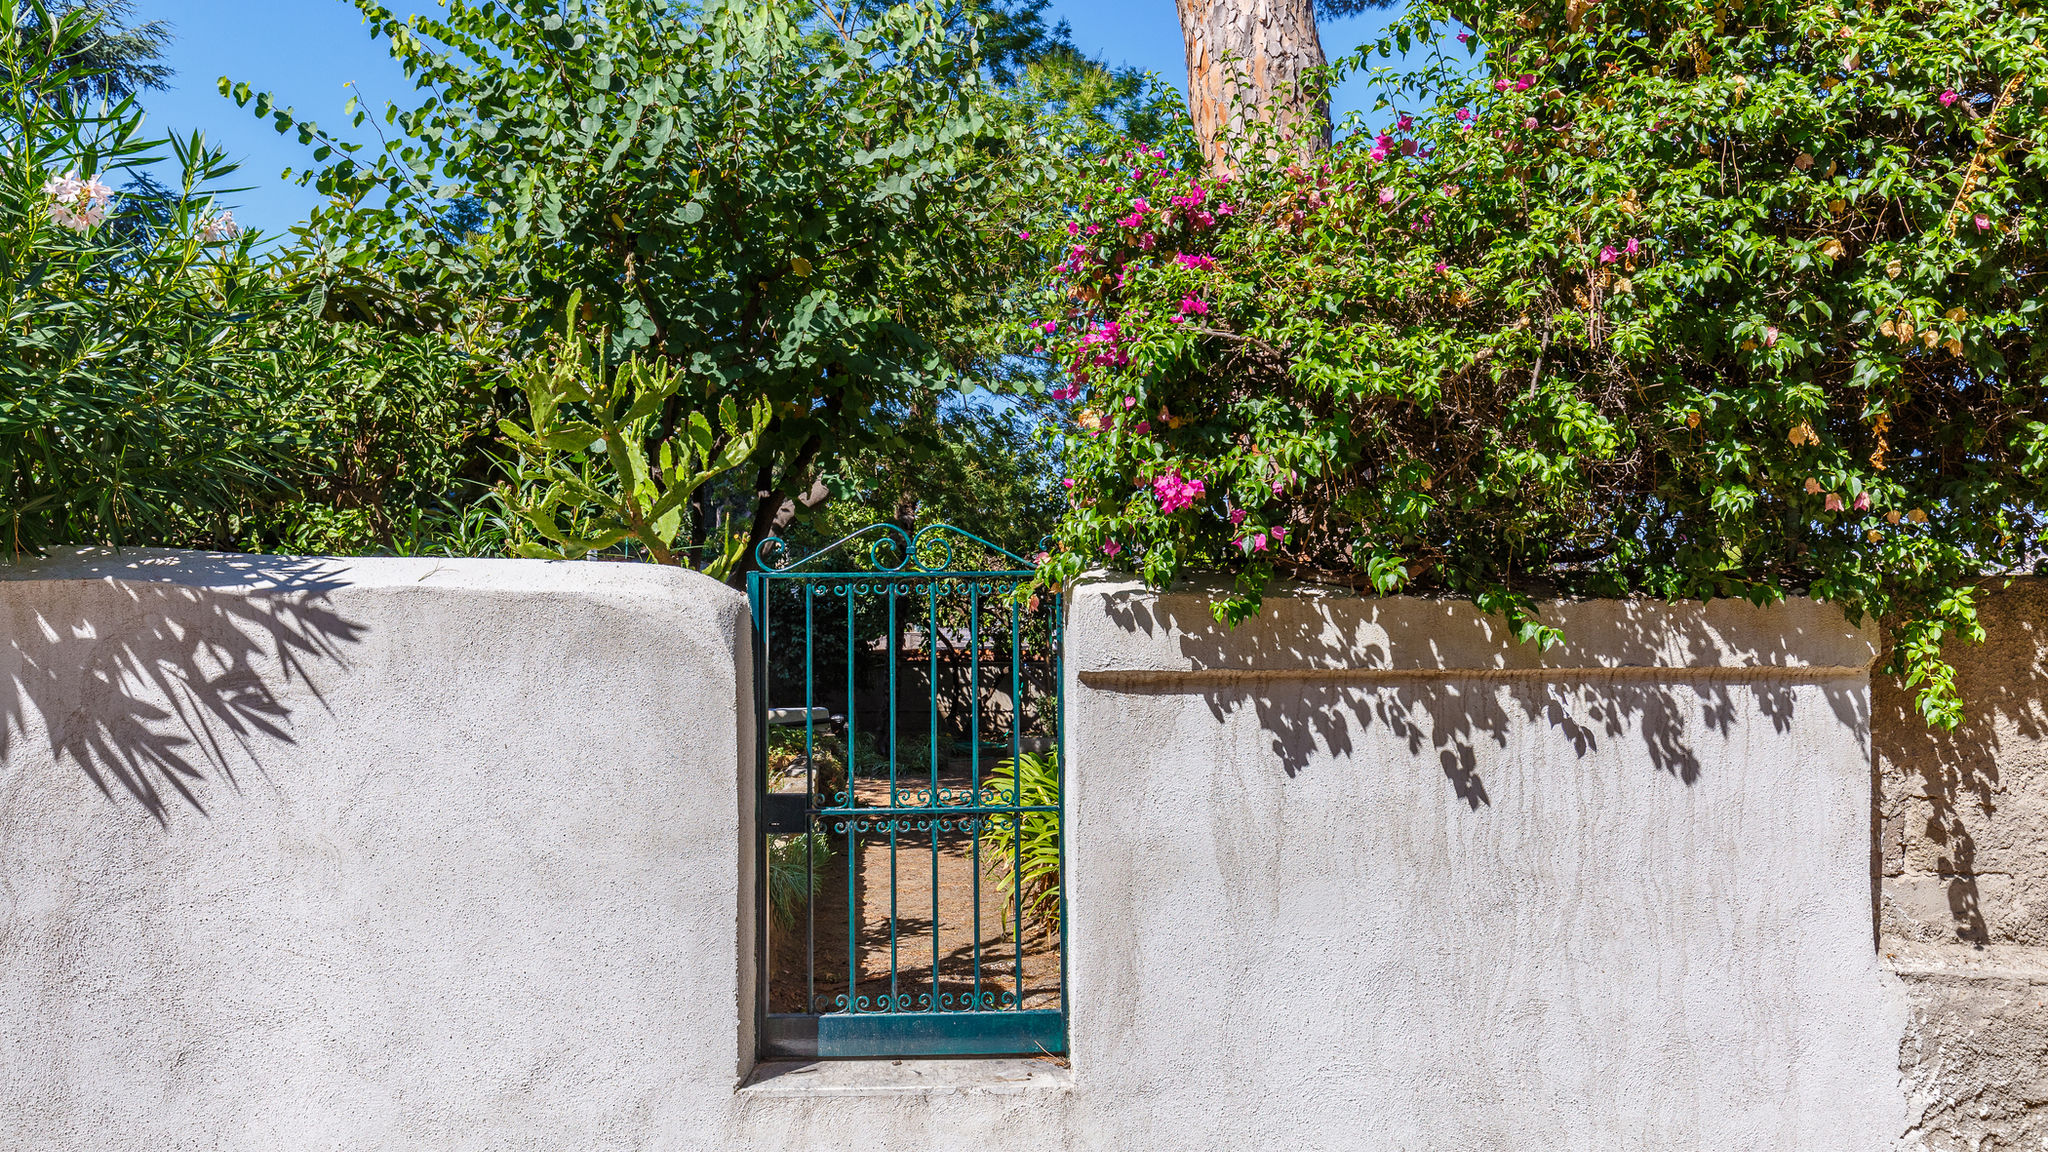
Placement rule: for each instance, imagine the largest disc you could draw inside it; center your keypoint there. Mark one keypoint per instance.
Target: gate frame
(851, 1034)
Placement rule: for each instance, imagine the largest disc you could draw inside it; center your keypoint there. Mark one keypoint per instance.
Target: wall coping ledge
(1121, 633)
(993, 1076)
(1945, 962)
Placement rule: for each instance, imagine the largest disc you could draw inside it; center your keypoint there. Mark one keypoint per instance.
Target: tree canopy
(816, 211)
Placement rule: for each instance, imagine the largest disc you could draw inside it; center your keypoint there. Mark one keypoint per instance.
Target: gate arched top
(930, 550)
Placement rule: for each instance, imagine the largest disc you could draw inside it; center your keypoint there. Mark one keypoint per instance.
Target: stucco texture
(384, 853)
(1401, 883)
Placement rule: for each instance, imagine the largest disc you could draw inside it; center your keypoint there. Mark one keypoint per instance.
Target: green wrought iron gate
(908, 802)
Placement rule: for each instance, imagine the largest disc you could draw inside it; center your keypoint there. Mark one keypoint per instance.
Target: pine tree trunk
(1245, 62)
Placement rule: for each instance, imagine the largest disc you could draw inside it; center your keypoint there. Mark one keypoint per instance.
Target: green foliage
(594, 468)
(1682, 302)
(974, 464)
(794, 865)
(810, 211)
(125, 411)
(1024, 852)
(788, 755)
(390, 440)
(168, 385)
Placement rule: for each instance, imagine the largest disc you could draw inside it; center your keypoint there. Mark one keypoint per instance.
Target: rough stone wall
(1963, 902)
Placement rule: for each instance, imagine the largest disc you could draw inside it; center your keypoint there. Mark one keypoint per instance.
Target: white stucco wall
(1400, 883)
(464, 876)
(1359, 875)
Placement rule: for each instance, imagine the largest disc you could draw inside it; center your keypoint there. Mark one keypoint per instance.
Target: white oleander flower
(217, 226)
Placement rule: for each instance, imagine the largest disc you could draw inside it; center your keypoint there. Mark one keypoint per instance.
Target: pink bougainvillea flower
(1223, 209)
(1608, 255)
(1406, 123)
(1111, 547)
(1948, 97)
(1073, 229)
(1464, 37)
(1834, 502)
(1092, 229)
(1530, 123)
(1023, 235)
(1131, 221)
(1278, 487)
(1634, 246)
(1146, 241)
(1236, 517)
(1408, 147)
(1130, 402)
(1067, 483)
(1464, 113)
(1198, 263)
(1279, 535)
(1386, 195)
(1176, 492)
(1142, 427)
(1258, 543)
(1191, 306)
(1498, 86)
(1442, 267)
(1862, 502)
(1770, 336)
(1524, 82)
(1140, 205)
(1381, 145)
(1050, 326)
(1983, 223)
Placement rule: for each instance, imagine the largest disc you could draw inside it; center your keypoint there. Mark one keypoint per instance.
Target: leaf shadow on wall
(1309, 714)
(1938, 789)
(156, 674)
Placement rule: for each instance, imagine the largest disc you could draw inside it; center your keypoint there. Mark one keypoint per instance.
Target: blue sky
(308, 51)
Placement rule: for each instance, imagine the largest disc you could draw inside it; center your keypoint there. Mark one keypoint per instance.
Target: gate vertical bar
(1017, 797)
(852, 826)
(974, 822)
(757, 600)
(895, 657)
(810, 810)
(931, 643)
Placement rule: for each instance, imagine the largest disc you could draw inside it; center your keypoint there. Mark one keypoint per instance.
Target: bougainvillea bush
(1635, 299)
